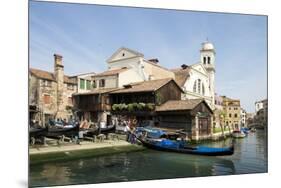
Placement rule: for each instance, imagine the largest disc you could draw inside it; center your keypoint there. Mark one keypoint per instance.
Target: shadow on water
(249, 157)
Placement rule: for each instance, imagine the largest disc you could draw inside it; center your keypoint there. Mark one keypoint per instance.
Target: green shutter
(82, 84)
(88, 84)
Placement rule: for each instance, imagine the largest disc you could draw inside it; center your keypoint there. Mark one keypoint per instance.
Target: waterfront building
(218, 111)
(258, 106)
(261, 115)
(243, 117)
(50, 93)
(84, 82)
(147, 101)
(231, 108)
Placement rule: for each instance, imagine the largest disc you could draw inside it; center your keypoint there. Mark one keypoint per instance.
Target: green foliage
(133, 107)
(149, 106)
(115, 107)
(130, 107)
(141, 106)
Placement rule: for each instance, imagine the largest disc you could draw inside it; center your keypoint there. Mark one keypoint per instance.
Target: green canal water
(250, 157)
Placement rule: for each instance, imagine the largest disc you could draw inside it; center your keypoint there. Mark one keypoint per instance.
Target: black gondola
(56, 131)
(96, 131)
(37, 131)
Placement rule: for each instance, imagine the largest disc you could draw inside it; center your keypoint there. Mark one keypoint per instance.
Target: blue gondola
(179, 147)
(163, 144)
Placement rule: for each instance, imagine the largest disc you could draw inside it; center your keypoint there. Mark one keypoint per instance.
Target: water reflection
(249, 157)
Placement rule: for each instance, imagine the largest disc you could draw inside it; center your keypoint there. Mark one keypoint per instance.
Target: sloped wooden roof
(178, 105)
(98, 91)
(145, 86)
(50, 76)
(181, 75)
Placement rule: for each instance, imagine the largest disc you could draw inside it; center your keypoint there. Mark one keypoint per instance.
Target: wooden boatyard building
(156, 100)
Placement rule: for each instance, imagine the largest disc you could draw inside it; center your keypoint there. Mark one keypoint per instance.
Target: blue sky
(87, 35)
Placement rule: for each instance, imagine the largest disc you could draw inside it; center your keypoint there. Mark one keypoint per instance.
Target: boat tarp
(151, 132)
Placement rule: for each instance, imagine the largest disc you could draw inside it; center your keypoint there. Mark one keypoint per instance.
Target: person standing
(127, 131)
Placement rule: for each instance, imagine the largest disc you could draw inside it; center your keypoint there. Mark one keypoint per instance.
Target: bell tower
(208, 55)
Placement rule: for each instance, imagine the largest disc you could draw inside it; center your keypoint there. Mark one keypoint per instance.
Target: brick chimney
(59, 75)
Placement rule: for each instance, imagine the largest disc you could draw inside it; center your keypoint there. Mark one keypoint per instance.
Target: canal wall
(86, 150)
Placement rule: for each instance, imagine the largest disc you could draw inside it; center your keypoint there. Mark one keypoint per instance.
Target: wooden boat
(37, 131)
(238, 134)
(57, 131)
(96, 131)
(179, 147)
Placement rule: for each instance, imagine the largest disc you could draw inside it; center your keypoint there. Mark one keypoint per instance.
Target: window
(204, 60)
(101, 83)
(82, 84)
(194, 86)
(229, 108)
(47, 99)
(209, 60)
(203, 89)
(199, 86)
(46, 83)
(229, 115)
(88, 84)
(94, 84)
(235, 115)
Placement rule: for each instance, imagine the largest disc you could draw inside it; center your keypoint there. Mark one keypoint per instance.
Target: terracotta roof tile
(181, 75)
(174, 105)
(98, 91)
(50, 76)
(145, 86)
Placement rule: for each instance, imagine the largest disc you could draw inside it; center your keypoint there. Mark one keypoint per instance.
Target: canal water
(250, 157)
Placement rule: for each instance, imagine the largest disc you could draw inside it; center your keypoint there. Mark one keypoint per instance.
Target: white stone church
(126, 66)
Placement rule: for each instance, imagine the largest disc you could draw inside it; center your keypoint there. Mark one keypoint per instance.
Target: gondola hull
(92, 132)
(54, 132)
(37, 132)
(191, 150)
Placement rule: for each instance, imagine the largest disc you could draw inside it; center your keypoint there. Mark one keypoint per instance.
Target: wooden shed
(193, 116)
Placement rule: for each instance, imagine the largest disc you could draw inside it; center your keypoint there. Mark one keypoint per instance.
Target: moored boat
(37, 131)
(95, 131)
(238, 134)
(57, 131)
(159, 140)
(180, 147)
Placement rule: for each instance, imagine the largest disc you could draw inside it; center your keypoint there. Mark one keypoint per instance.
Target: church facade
(197, 80)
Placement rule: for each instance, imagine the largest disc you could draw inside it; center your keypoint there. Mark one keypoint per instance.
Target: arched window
(199, 86)
(194, 86)
(204, 60)
(203, 89)
(209, 60)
